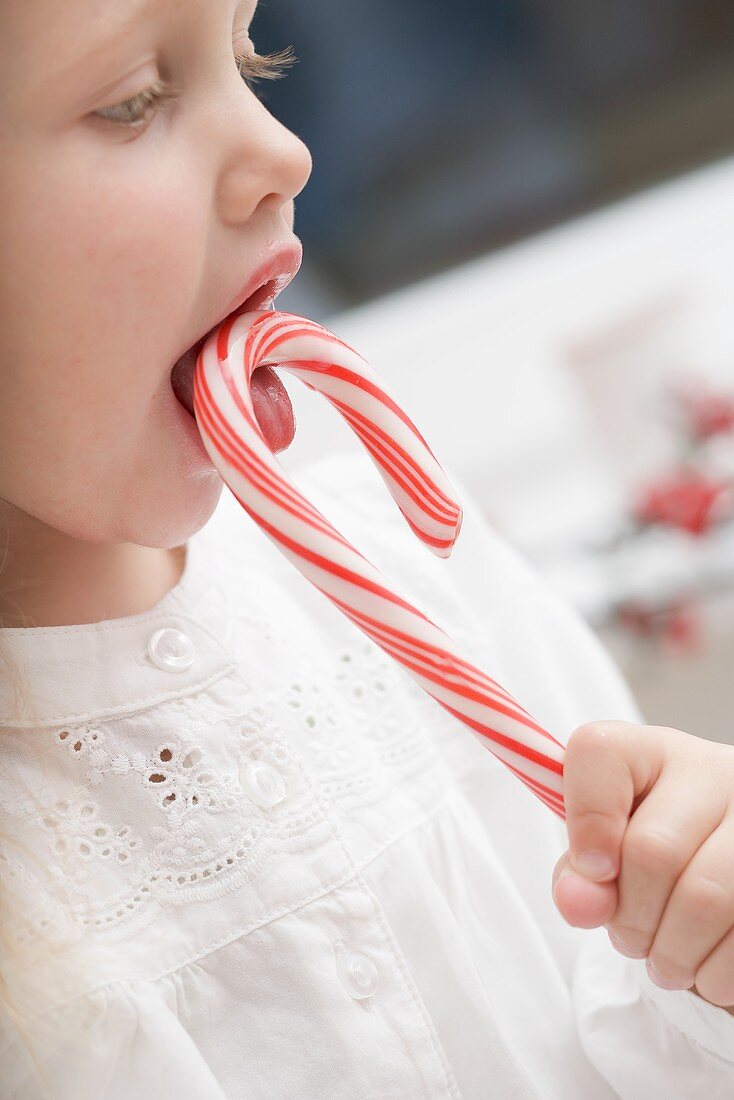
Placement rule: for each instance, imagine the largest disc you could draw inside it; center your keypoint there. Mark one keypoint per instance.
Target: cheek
(99, 263)
(109, 245)
(104, 262)
(131, 252)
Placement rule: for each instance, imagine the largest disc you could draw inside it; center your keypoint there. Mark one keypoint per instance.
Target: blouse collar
(73, 674)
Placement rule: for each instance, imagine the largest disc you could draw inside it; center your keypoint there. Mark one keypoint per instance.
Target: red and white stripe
(237, 447)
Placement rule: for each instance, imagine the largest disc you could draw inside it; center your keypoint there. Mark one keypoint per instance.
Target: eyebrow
(136, 13)
(143, 7)
(111, 33)
(106, 35)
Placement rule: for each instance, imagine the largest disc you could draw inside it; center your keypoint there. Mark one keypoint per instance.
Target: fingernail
(594, 865)
(662, 982)
(625, 949)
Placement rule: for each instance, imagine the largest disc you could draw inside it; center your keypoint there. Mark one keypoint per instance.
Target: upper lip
(274, 274)
(279, 270)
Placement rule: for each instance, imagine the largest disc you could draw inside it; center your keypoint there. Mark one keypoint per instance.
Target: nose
(263, 162)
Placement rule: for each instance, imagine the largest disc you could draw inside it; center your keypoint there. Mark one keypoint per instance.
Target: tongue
(273, 408)
(270, 400)
(182, 379)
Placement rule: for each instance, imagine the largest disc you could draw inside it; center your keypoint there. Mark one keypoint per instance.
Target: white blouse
(280, 869)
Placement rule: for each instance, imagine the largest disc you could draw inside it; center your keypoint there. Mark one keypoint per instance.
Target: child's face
(120, 245)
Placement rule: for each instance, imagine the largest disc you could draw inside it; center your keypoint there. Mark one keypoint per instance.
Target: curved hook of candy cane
(235, 443)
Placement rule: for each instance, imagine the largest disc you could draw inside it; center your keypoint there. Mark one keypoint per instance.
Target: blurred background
(522, 214)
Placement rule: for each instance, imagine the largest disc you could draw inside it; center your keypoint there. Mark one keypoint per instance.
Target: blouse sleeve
(119, 1041)
(644, 1040)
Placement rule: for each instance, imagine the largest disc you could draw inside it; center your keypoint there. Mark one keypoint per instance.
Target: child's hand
(658, 805)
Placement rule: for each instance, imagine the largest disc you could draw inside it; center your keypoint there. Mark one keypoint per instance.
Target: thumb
(581, 903)
(607, 766)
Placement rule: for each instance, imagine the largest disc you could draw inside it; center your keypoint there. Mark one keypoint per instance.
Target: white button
(171, 650)
(264, 783)
(358, 974)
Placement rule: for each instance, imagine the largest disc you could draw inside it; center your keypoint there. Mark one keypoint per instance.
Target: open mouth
(270, 400)
(182, 374)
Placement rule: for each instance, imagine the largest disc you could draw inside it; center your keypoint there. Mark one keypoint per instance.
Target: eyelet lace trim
(191, 781)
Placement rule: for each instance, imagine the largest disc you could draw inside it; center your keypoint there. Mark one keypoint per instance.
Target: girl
(243, 855)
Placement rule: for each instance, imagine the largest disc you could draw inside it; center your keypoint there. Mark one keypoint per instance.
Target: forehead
(54, 38)
(25, 21)
(58, 34)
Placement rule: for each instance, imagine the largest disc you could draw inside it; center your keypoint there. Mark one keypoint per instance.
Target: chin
(177, 520)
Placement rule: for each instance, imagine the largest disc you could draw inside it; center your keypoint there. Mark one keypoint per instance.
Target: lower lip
(191, 433)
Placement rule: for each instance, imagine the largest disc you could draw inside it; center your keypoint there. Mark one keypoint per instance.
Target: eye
(134, 111)
(252, 67)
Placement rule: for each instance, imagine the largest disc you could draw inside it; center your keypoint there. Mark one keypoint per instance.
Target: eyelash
(252, 67)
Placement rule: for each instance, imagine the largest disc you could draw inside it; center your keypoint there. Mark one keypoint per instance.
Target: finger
(663, 835)
(715, 976)
(699, 912)
(606, 766)
(581, 903)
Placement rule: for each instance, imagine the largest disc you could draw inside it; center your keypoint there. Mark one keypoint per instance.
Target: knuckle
(706, 899)
(592, 819)
(651, 850)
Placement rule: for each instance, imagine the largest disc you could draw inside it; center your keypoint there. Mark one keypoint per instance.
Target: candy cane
(233, 439)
